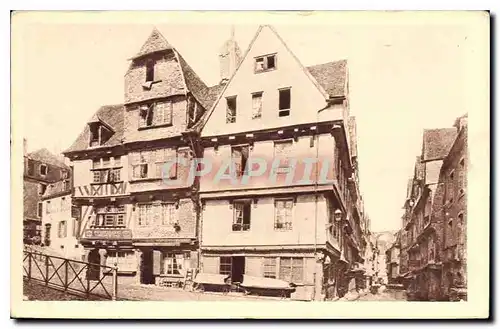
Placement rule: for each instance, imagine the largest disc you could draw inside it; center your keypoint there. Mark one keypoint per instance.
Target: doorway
(238, 268)
(94, 270)
(147, 267)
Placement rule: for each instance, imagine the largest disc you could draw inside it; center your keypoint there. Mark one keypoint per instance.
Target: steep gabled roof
(331, 76)
(155, 43)
(45, 156)
(203, 94)
(112, 116)
(437, 143)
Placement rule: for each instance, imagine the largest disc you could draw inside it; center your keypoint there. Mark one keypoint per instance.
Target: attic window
(265, 63)
(99, 134)
(43, 169)
(231, 109)
(150, 70)
(284, 102)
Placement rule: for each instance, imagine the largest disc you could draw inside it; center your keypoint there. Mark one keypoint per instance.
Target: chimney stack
(25, 147)
(229, 58)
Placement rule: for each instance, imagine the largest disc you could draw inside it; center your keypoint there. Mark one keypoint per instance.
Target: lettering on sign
(101, 190)
(108, 234)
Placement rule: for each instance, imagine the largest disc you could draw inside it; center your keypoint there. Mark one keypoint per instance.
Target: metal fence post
(46, 270)
(66, 275)
(115, 282)
(29, 266)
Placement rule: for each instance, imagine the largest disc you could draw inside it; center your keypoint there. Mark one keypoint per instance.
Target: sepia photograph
(271, 157)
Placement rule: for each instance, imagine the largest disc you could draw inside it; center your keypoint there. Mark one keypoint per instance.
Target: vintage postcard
(291, 165)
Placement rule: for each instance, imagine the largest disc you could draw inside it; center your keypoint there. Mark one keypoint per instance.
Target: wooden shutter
(253, 266)
(172, 156)
(157, 255)
(210, 264)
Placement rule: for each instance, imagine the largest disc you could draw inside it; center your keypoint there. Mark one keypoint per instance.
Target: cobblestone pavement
(388, 295)
(144, 292)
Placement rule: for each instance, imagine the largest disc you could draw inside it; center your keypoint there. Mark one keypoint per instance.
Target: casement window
(270, 267)
(62, 229)
(43, 169)
(161, 158)
(284, 102)
(31, 167)
(231, 109)
(157, 214)
(174, 264)
(283, 214)
(155, 114)
(39, 209)
(239, 159)
(152, 164)
(291, 269)
(150, 70)
(124, 260)
(106, 170)
(256, 105)
(265, 63)
(283, 152)
(241, 215)
(225, 265)
(111, 216)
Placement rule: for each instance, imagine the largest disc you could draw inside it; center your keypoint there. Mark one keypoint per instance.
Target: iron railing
(72, 276)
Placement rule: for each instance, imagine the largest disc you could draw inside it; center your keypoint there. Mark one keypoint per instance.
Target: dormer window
(43, 169)
(150, 70)
(265, 63)
(99, 134)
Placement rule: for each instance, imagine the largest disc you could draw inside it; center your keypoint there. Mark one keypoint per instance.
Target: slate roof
(56, 188)
(45, 156)
(437, 143)
(155, 43)
(204, 95)
(331, 76)
(112, 116)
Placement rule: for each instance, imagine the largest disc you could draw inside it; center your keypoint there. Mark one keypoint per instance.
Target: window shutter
(236, 159)
(172, 156)
(157, 262)
(211, 264)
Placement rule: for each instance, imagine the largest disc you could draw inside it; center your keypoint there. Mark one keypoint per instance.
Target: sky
(403, 78)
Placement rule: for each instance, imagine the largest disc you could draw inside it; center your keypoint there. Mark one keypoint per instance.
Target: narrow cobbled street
(386, 295)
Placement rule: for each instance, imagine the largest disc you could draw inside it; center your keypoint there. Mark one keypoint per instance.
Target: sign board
(101, 190)
(107, 234)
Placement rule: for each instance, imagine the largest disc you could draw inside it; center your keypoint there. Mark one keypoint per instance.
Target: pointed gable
(266, 78)
(155, 43)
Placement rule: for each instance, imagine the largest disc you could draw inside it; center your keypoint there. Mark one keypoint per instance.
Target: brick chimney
(229, 58)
